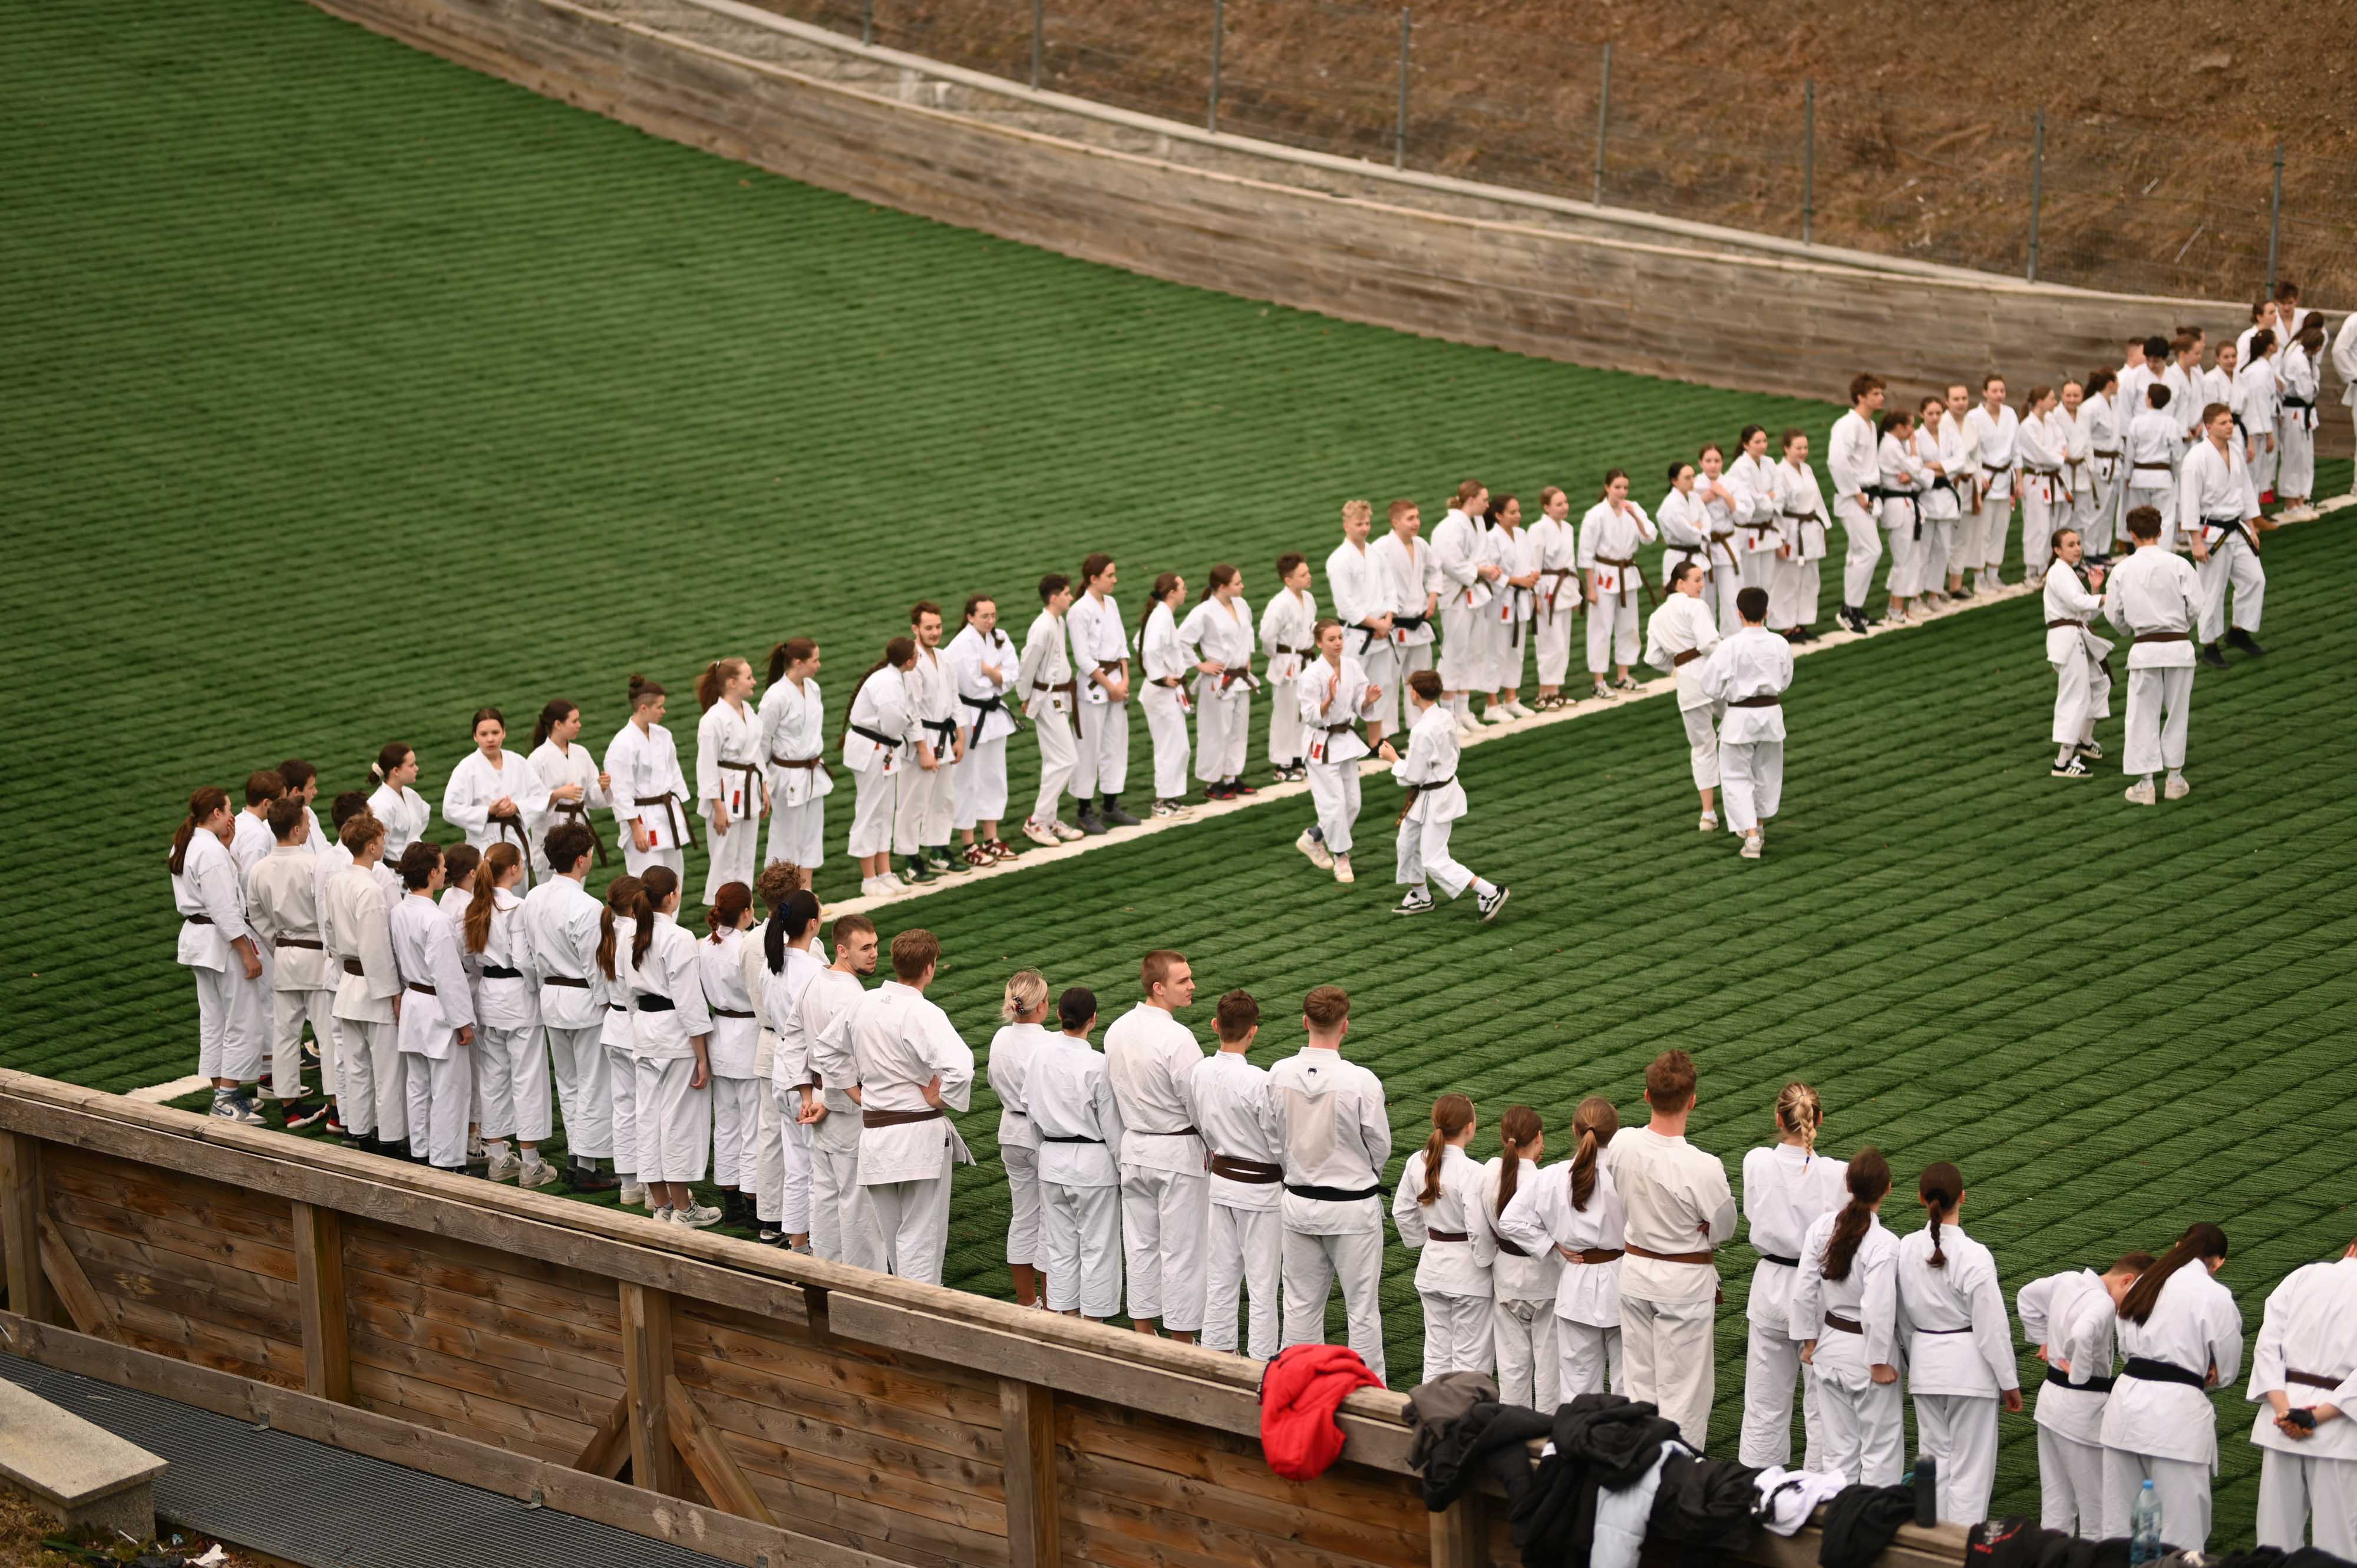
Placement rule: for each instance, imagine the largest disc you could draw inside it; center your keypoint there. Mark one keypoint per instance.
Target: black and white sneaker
(2091, 751)
(2075, 768)
(1418, 902)
(1489, 903)
(303, 1112)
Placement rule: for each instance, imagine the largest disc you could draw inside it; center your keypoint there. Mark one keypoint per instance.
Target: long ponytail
(497, 861)
(900, 653)
(621, 899)
(793, 650)
(658, 884)
(553, 712)
(789, 918)
(1163, 585)
(202, 804)
(1941, 1185)
(1800, 1112)
(2200, 1241)
(1594, 1124)
(1517, 1131)
(1869, 1183)
(1451, 1114)
(714, 679)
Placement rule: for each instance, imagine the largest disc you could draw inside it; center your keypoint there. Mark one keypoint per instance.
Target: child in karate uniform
(876, 747)
(1436, 802)
(1573, 1211)
(510, 1057)
(1438, 1213)
(1609, 537)
(218, 948)
(734, 1050)
(1162, 663)
(2303, 1381)
(1242, 1248)
(395, 801)
(283, 911)
(1959, 1347)
(1801, 505)
(571, 780)
(793, 749)
(784, 962)
(1285, 626)
(1787, 1187)
(1522, 1280)
(1845, 1312)
(493, 795)
(671, 1028)
(730, 789)
(1518, 555)
(437, 1028)
(1014, 1050)
(2183, 1335)
(1334, 694)
(1556, 596)
(2082, 674)
(617, 926)
(1217, 635)
(650, 793)
(1079, 1174)
(1682, 633)
(983, 660)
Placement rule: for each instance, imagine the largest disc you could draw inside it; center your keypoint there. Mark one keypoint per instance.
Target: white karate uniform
(923, 805)
(1903, 478)
(1675, 1200)
(2081, 660)
(2188, 393)
(1406, 576)
(1243, 1250)
(840, 1228)
(1944, 506)
(510, 1060)
(880, 707)
(1361, 594)
(1079, 1184)
(1759, 525)
(673, 1118)
(769, 1134)
(734, 1049)
(2154, 595)
(1044, 684)
(1608, 542)
(475, 784)
(1329, 1117)
(1864, 1421)
(2344, 364)
(2070, 1415)
(649, 790)
(2152, 472)
(1429, 764)
(1793, 588)
(2096, 461)
(1285, 624)
(1959, 1360)
(1451, 1235)
(1464, 594)
(1684, 522)
(2041, 445)
(1221, 632)
(728, 769)
(1588, 1308)
(1162, 668)
(557, 766)
(559, 929)
(1524, 1283)
(406, 816)
(1330, 711)
(1100, 759)
(371, 1096)
(209, 894)
(436, 1004)
(1852, 456)
(2310, 1328)
(2218, 496)
(1150, 1060)
(978, 785)
(1682, 634)
(2257, 402)
(794, 749)
(780, 994)
(1013, 1050)
(1749, 672)
(283, 912)
(1786, 1191)
(621, 1059)
(897, 1041)
(1557, 597)
(1993, 441)
(2164, 1431)
(1506, 624)
(2296, 424)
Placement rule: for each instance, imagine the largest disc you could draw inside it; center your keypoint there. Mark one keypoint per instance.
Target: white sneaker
(2176, 788)
(1418, 902)
(1493, 901)
(1602, 693)
(634, 1195)
(536, 1174)
(2140, 793)
(1753, 845)
(240, 1110)
(503, 1166)
(1066, 831)
(1038, 833)
(661, 1216)
(1514, 710)
(1494, 714)
(1709, 822)
(696, 1216)
(1319, 857)
(1467, 724)
(1342, 872)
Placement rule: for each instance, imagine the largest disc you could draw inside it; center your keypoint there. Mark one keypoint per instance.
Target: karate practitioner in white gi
(1023, 1035)
(1330, 1119)
(283, 900)
(1468, 583)
(1846, 1314)
(1718, 503)
(618, 924)
(1904, 480)
(1436, 802)
(793, 750)
(2183, 1336)
(1960, 465)
(924, 807)
(1682, 633)
(2071, 1401)
(395, 801)
(436, 1027)
(1524, 1280)
(1993, 432)
(1080, 1146)
(986, 663)
(1409, 580)
(1679, 1211)
(671, 1034)
(2257, 402)
(2218, 510)
(575, 784)
(1101, 655)
(2152, 465)
(1162, 692)
(2296, 426)
(2304, 1377)
(732, 788)
(511, 1059)
(1852, 455)
(2155, 597)
(1285, 627)
(2043, 444)
(1749, 672)
(1556, 598)
(1217, 638)
(911, 1069)
(1794, 588)
(1437, 1210)
(650, 791)
(1572, 1212)
(560, 924)
(1334, 694)
(734, 1050)
(1242, 1250)
(1959, 1347)
(879, 748)
(1506, 624)
(218, 948)
(2081, 660)
(1610, 536)
(1751, 479)
(493, 795)
(2098, 459)
(2344, 365)
(1047, 692)
(841, 1231)
(1150, 1060)
(777, 884)
(373, 1101)
(1363, 603)
(788, 961)
(1684, 522)
(1787, 1187)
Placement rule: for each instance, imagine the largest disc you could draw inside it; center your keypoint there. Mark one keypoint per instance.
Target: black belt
(1967, 1328)
(1447, 1236)
(656, 1004)
(1148, 1133)
(939, 727)
(1407, 623)
(981, 706)
(727, 1013)
(2057, 1377)
(890, 742)
(1762, 702)
(564, 980)
(2151, 1371)
(1778, 1258)
(1333, 1194)
(198, 920)
(501, 972)
(1283, 648)
(353, 966)
(1068, 1138)
(617, 1007)
(2289, 402)
(1512, 1249)
(314, 943)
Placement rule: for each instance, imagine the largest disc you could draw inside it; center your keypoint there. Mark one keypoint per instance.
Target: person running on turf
(1434, 802)
(1750, 673)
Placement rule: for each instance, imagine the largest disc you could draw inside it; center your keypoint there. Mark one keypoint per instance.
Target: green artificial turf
(348, 391)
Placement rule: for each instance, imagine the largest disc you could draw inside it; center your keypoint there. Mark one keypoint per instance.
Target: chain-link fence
(2100, 201)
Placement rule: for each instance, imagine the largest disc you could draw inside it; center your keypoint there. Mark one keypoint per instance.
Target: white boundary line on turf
(159, 1093)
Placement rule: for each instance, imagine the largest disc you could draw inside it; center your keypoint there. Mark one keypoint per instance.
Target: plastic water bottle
(2144, 1528)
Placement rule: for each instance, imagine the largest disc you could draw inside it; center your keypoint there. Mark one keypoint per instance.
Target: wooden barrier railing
(769, 1408)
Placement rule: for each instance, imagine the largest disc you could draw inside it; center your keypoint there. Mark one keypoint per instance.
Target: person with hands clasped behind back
(2304, 1377)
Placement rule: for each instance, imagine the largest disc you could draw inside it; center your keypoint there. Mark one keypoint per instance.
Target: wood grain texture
(326, 1316)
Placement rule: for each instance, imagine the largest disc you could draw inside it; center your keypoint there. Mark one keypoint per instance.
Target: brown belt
(1846, 1325)
(686, 823)
(353, 966)
(1171, 681)
(727, 1013)
(1626, 568)
(1767, 702)
(1600, 1254)
(564, 980)
(1069, 688)
(429, 990)
(198, 920)
(2312, 1379)
(312, 942)
(2053, 625)
(1258, 1173)
(1634, 1250)
(1687, 656)
(808, 764)
(578, 814)
(2161, 466)
(1336, 729)
(1447, 1236)
(2163, 637)
(897, 1118)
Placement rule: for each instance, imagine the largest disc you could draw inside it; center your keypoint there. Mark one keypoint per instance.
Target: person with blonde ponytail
(216, 946)
(1959, 1347)
(650, 791)
(1438, 1212)
(1787, 1187)
(493, 796)
(510, 1052)
(734, 1050)
(617, 926)
(877, 746)
(671, 1031)
(1846, 1314)
(1524, 1280)
(1571, 1211)
(1013, 1049)
(793, 741)
(2183, 1336)
(731, 791)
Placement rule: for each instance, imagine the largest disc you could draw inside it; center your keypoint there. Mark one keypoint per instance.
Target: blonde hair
(1026, 992)
(1800, 1112)
(1451, 1114)
(1351, 508)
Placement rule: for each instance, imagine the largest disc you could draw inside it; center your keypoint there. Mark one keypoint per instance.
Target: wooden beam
(708, 1459)
(319, 1299)
(647, 1375)
(1457, 1534)
(20, 1227)
(608, 1448)
(1034, 1522)
(84, 1304)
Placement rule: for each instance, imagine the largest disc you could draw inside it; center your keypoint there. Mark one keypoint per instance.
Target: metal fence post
(866, 21)
(2036, 189)
(1399, 135)
(1808, 159)
(1038, 37)
(1603, 113)
(2275, 221)
(1219, 26)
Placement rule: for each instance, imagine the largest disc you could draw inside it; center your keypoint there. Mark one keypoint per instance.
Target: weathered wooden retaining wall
(1437, 257)
(770, 1408)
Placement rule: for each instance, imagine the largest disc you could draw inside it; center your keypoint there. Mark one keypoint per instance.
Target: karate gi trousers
(2043, 510)
(1244, 1255)
(2159, 712)
(1057, 758)
(978, 785)
(512, 1073)
(1100, 758)
(874, 804)
(770, 1136)
(2082, 694)
(1401, 660)
(229, 1043)
(1524, 1335)
(1793, 592)
(1863, 551)
(2297, 1489)
(2182, 1487)
(1752, 775)
(1587, 1355)
(1666, 1350)
(2262, 469)
(732, 853)
(1286, 744)
(1903, 581)
(1933, 553)
(1166, 729)
(1771, 1364)
(798, 833)
(2071, 1483)
(1701, 742)
(674, 1122)
(1756, 569)
(576, 1059)
(1223, 726)
(1865, 1429)
(2234, 564)
(1958, 1432)
(2095, 510)
(1024, 1247)
(622, 1085)
(736, 1131)
(440, 1093)
(1463, 655)
(911, 1219)
(2295, 473)
(1079, 1231)
(1553, 634)
(1311, 1265)
(1990, 535)
(1334, 794)
(922, 815)
(288, 1009)
(370, 1058)
(1612, 631)
(1455, 1334)
(635, 860)
(1164, 1217)
(1422, 849)
(840, 1229)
